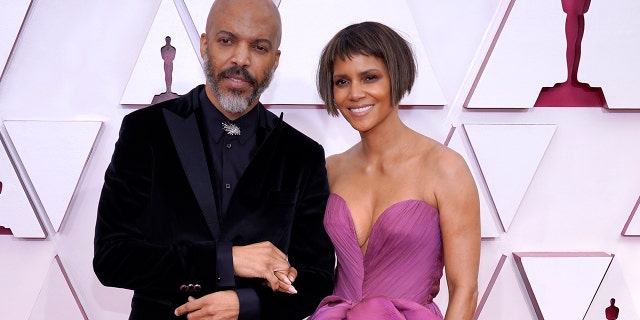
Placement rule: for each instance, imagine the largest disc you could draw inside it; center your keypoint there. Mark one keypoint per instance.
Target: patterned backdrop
(559, 182)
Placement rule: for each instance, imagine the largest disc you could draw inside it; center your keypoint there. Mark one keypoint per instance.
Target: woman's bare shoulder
(336, 163)
(440, 161)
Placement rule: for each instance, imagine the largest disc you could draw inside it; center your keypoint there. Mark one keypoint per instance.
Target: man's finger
(183, 309)
(275, 249)
(187, 307)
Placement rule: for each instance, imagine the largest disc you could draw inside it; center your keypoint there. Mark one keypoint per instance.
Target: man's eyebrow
(225, 33)
(231, 35)
(263, 40)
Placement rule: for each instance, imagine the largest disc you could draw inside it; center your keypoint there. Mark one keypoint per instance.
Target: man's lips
(237, 82)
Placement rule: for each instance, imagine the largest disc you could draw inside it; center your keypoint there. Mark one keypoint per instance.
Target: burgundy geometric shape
(572, 93)
(612, 312)
(5, 231)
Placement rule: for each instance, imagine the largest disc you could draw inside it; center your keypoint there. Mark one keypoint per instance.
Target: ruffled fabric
(398, 276)
(334, 307)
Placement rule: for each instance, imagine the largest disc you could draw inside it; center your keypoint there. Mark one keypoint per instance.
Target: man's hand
(221, 305)
(261, 260)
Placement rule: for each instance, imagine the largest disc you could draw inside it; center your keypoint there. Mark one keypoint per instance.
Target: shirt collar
(248, 122)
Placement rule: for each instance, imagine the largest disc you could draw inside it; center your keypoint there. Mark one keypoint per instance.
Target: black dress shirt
(229, 155)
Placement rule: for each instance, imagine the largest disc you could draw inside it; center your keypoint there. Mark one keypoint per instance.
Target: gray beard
(234, 102)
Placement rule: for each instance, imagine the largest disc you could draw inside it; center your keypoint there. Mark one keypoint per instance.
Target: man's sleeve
(123, 256)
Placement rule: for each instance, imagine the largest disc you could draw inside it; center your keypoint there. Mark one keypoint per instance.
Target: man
(212, 206)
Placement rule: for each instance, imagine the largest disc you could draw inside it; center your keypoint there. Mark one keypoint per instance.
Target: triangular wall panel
(16, 212)
(486, 270)
(561, 285)
(614, 285)
(57, 299)
(632, 227)
(614, 25)
(487, 292)
(199, 10)
(12, 15)
(506, 298)
(488, 220)
(23, 270)
(148, 76)
(66, 146)
(542, 59)
(509, 156)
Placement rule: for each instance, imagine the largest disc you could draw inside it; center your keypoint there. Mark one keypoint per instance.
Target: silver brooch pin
(231, 129)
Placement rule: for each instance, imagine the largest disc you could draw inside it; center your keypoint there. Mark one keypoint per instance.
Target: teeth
(361, 109)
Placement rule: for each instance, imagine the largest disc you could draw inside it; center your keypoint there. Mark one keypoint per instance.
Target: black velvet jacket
(157, 228)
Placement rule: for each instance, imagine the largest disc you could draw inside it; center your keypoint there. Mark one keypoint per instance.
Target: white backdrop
(484, 62)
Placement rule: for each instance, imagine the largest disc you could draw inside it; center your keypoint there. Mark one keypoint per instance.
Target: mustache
(236, 70)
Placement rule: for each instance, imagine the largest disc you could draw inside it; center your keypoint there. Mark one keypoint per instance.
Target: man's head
(240, 52)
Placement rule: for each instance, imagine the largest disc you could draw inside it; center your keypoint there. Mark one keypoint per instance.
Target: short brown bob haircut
(369, 39)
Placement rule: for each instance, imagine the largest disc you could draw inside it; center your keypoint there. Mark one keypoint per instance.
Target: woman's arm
(459, 208)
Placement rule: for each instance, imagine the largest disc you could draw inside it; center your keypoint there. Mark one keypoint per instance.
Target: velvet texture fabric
(158, 228)
(397, 277)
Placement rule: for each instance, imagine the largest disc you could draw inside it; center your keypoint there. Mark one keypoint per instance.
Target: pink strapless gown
(400, 272)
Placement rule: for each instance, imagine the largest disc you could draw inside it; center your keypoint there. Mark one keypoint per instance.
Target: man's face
(240, 55)
(235, 87)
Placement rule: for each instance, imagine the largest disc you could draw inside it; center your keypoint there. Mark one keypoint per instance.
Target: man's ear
(203, 45)
(275, 64)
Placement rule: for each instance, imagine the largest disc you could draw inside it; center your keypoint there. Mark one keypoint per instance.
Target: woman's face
(362, 90)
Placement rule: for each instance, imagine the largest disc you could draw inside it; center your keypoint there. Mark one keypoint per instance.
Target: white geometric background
(560, 187)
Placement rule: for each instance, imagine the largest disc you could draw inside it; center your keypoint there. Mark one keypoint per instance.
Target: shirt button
(228, 186)
(228, 145)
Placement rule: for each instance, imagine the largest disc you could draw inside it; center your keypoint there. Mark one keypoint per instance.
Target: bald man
(212, 206)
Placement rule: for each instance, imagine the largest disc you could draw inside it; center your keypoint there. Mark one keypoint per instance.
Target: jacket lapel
(188, 143)
(268, 137)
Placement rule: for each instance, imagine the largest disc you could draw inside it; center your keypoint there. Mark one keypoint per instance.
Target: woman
(402, 205)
